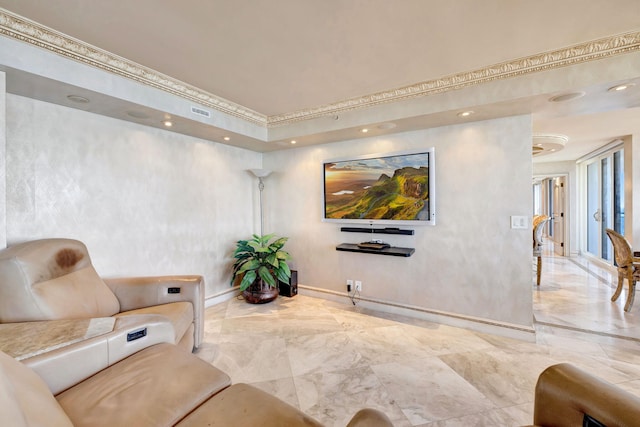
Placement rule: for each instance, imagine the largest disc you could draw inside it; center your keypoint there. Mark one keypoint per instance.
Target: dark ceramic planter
(260, 293)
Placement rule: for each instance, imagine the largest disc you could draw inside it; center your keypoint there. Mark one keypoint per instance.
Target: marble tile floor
(575, 293)
(331, 359)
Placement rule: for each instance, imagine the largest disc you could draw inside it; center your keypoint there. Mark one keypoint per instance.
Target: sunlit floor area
(331, 359)
(575, 293)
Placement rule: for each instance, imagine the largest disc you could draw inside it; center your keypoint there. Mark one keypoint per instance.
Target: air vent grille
(201, 112)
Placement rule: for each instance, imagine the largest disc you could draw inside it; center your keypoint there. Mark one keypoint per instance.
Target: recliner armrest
(66, 366)
(141, 292)
(564, 394)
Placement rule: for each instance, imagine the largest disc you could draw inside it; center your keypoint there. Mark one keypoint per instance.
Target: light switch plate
(519, 222)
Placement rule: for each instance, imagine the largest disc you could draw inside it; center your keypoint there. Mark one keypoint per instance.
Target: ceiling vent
(201, 112)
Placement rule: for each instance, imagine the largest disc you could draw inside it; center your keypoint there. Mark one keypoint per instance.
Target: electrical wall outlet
(358, 286)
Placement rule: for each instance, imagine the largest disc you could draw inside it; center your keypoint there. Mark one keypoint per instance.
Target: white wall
(471, 263)
(145, 201)
(632, 188)
(3, 163)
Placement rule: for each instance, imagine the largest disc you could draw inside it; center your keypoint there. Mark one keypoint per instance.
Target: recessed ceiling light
(167, 123)
(293, 141)
(137, 114)
(226, 138)
(79, 99)
(621, 87)
(465, 113)
(566, 96)
(365, 130)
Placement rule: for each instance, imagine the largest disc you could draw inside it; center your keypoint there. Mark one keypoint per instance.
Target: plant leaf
(280, 242)
(282, 275)
(285, 268)
(272, 259)
(254, 245)
(266, 238)
(251, 264)
(247, 280)
(266, 276)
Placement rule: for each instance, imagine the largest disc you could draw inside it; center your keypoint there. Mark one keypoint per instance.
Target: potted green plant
(260, 263)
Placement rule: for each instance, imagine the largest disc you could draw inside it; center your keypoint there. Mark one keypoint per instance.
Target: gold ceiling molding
(23, 29)
(19, 28)
(576, 54)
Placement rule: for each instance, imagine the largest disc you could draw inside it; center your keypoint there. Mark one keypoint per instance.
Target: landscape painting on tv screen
(386, 188)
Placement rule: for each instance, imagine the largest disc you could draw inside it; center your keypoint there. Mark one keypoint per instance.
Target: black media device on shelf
(289, 289)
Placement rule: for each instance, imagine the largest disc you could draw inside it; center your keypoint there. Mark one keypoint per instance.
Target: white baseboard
(525, 333)
(221, 297)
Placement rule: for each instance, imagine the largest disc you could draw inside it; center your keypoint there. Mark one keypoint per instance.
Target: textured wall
(470, 263)
(3, 198)
(145, 201)
(632, 192)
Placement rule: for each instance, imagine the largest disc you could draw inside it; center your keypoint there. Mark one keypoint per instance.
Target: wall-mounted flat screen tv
(386, 189)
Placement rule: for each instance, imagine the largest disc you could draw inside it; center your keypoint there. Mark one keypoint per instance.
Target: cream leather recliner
(158, 386)
(54, 279)
(567, 396)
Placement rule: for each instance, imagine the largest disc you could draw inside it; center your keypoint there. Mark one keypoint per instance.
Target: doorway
(550, 198)
(604, 202)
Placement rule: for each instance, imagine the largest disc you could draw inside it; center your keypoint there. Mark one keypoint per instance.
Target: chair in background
(539, 222)
(628, 266)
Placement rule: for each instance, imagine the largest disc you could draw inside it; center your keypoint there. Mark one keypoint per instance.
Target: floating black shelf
(388, 230)
(392, 251)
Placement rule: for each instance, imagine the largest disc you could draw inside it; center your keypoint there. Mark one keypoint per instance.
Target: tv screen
(386, 189)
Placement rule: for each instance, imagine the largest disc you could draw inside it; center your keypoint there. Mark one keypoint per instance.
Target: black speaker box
(289, 289)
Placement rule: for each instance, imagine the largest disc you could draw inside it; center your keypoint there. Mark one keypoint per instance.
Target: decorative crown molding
(589, 51)
(23, 29)
(19, 28)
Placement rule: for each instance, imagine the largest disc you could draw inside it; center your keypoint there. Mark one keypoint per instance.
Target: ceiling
(286, 58)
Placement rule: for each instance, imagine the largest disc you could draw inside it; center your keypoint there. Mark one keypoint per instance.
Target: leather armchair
(158, 386)
(53, 279)
(567, 396)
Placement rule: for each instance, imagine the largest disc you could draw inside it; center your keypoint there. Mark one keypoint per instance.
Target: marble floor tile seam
(371, 394)
(536, 320)
(495, 406)
(592, 272)
(433, 397)
(614, 333)
(424, 362)
(544, 332)
(341, 370)
(487, 418)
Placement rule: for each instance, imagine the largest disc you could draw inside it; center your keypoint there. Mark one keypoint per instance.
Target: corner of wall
(632, 188)
(3, 163)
